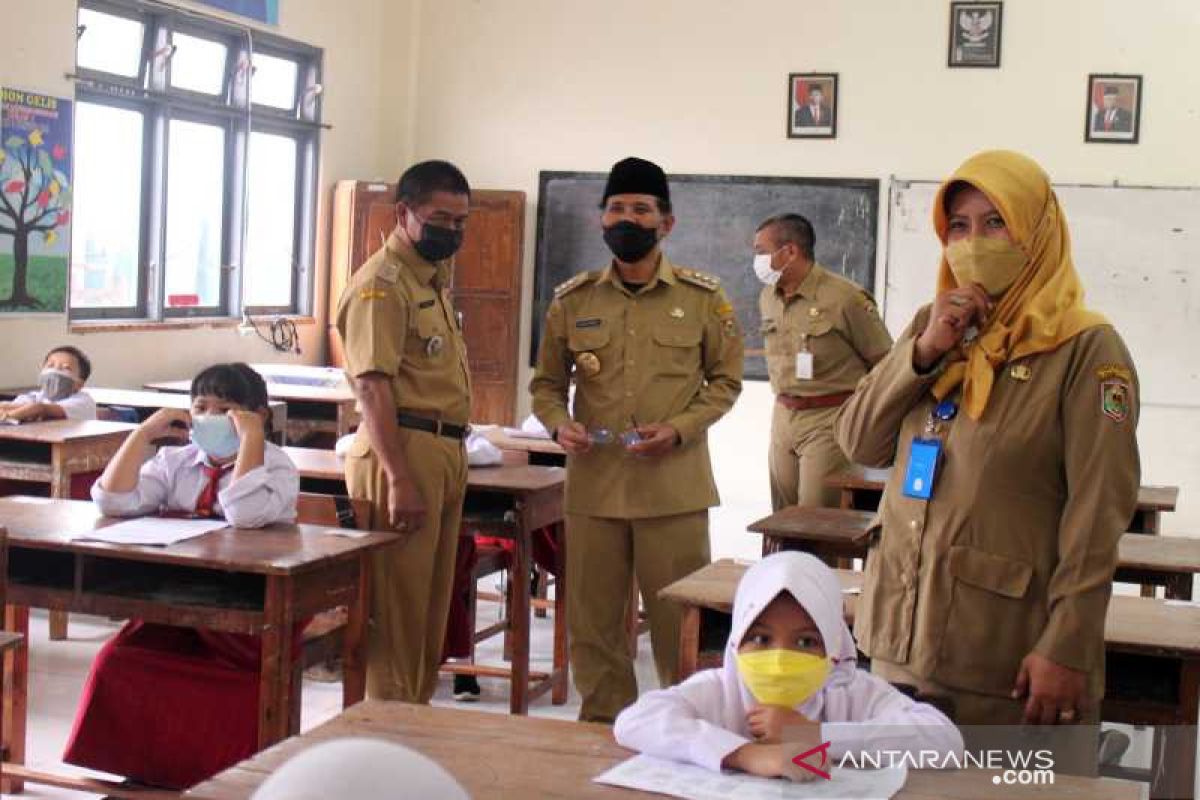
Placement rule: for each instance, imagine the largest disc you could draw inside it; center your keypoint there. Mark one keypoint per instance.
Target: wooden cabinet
(486, 289)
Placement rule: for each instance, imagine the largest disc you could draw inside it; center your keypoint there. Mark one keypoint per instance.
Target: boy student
(59, 395)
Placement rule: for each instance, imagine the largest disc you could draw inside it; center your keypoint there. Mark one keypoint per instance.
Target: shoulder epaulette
(698, 278)
(566, 287)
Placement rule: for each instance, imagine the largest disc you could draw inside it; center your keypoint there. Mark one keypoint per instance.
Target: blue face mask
(215, 435)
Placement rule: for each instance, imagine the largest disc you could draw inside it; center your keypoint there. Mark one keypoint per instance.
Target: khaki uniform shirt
(395, 317)
(1015, 551)
(830, 317)
(670, 353)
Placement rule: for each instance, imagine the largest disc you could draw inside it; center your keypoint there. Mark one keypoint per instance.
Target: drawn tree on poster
(35, 199)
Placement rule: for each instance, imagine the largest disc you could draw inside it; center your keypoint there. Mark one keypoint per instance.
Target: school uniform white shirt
(174, 478)
(703, 720)
(80, 405)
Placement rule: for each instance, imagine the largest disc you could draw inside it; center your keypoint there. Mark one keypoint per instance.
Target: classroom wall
(506, 89)
(353, 40)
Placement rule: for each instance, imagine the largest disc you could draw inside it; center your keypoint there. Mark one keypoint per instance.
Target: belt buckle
(437, 427)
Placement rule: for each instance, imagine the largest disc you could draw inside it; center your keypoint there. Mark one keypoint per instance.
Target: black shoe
(466, 689)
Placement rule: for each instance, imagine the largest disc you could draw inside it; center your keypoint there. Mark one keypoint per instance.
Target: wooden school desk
(146, 403)
(52, 452)
(521, 499)
(310, 409)
(835, 534)
(1152, 653)
(258, 582)
(861, 488)
(495, 755)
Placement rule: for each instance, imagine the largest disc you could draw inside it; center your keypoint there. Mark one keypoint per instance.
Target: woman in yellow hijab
(1009, 412)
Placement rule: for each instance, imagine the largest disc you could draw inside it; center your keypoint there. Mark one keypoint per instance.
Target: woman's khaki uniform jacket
(1015, 551)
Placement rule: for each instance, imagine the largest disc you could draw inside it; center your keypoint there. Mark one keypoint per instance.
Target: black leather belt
(434, 426)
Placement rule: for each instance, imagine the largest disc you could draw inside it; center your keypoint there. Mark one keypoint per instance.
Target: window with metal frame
(196, 150)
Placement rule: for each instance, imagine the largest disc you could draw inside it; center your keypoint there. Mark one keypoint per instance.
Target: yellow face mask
(782, 677)
(992, 263)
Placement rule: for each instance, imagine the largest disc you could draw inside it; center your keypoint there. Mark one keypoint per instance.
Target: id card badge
(804, 365)
(923, 459)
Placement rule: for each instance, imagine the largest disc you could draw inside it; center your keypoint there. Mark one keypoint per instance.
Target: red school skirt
(169, 706)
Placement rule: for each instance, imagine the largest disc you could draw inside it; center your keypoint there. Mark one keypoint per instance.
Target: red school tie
(208, 495)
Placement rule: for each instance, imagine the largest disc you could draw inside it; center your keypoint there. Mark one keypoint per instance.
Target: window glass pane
(109, 43)
(195, 195)
(198, 64)
(270, 230)
(107, 208)
(274, 82)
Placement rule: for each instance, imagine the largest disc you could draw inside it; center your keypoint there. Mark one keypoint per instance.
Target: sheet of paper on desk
(650, 774)
(160, 531)
(349, 533)
(520, 433)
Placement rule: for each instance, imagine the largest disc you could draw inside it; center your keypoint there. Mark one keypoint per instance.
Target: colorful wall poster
(35, 201)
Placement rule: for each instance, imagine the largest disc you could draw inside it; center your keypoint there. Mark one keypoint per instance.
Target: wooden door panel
(492, 243)
(379, 221)
(487, 328)
(491, 403)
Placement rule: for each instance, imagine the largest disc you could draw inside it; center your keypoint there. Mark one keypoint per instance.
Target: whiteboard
(1137, 251)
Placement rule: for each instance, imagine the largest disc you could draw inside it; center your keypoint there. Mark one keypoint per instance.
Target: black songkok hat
(637, 176)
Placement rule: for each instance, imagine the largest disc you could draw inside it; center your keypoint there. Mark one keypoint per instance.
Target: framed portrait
(975, 34)
(1114, 109)
(812, 105)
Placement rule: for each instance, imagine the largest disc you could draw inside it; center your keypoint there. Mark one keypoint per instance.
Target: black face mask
(437, 243)
(629, 241)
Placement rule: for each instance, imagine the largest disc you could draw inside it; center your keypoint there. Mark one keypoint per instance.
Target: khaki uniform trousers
(411, 581)
(803, 454)
(603, 557)
(1074, 756)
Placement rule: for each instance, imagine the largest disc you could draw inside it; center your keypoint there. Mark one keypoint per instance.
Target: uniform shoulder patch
(566, 287)
(868, 302)
(1115, 399)
(698, 278)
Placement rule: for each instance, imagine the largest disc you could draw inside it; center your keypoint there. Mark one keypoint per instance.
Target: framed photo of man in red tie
(812, 105)
(1114, 109)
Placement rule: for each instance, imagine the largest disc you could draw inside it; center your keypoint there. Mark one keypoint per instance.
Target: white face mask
(762, 268)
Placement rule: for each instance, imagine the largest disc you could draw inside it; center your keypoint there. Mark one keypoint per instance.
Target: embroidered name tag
(426, 304)
(588, 323)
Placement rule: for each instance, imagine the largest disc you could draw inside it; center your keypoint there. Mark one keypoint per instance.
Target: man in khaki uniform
(656, 354)
(822, 333)
(990, 576)
(407, 360)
